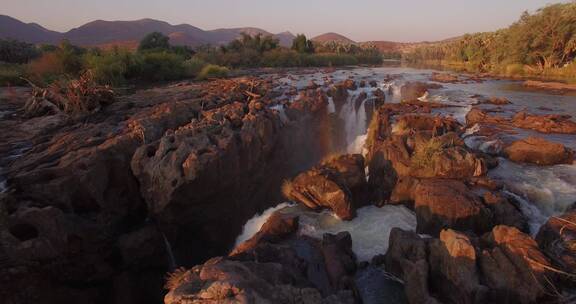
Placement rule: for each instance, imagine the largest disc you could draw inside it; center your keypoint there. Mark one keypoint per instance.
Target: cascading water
(355, 121)
(254, 224)
(171, 259)
(370, 229)
(551, 189)
(539, 191)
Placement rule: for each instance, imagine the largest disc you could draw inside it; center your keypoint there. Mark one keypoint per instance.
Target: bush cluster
(543, 43)
(157, 60)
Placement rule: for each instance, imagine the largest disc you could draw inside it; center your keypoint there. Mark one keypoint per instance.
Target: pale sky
(360, 20)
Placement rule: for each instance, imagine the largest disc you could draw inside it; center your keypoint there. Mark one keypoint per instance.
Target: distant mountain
(329, 37)
(128, 33)
(102, 32)
(285, 38)
(28, 32)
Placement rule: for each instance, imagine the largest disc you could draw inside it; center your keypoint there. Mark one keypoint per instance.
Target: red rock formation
(556, 239)
(545, 123)
(338, 184)
(536, 150)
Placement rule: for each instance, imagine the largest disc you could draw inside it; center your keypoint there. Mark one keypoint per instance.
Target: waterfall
(254, 224)
(281, 112)
(331, 106)
(3, 182)
(171, 260)
(354, 124)
(534, 216)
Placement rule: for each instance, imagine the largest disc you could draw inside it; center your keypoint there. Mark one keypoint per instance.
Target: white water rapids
(541, 191)
(370, 229)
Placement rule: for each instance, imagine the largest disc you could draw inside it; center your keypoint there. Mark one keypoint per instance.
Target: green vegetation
(301, 44)
(154, 41)
(424, 154)
(543, 43)
(157, 60)
(258, 51)
(213, 71)
(12, 51)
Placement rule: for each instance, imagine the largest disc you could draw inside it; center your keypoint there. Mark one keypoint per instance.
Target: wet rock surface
(338, 183)
(99, 211)
(539, 151)
(275, 266)
(503, 266)
(104, 207)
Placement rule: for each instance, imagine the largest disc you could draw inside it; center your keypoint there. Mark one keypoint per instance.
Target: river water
(542, 191)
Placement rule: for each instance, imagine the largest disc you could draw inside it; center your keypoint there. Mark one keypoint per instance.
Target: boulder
(536, 150)
(221, 280)
(275, 229)
(504, 211)
(340, 260)
(422, 122)
(406, 258)
(556, 239)
(499, 101)
(552, 123)
(480, 116)
(453, 269)
(442, 203)
(444, 78)
(338, 183)
(514, 269)
(411, 91)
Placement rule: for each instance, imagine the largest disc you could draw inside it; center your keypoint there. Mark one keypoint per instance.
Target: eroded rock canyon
(404, 187)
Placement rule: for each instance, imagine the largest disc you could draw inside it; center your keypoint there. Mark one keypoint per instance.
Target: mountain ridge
(105, 32)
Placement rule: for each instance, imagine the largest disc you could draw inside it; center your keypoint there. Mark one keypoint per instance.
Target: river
(543, 191)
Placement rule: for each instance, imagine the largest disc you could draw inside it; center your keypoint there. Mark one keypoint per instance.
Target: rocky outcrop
(221, 280)
(157, 172)
(407, 259)
(552, 86)
(338, 183)
(536, 150)
(276, 229)
(340, 260)
(444, 78)
(482, 116)
(504, 266)
(274, 266)
(545, 123)
(449, 203)
(504, 211)
(411, 91)
(225, 166)
(417, 145)
(514, 268)
(498, 101)
(556, 239)
(453, 269)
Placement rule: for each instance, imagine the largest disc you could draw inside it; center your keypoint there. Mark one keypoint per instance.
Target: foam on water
(370, 229)
(255, 223)
(331, 106)
(534, 215)
(552, 189)
(281, 112)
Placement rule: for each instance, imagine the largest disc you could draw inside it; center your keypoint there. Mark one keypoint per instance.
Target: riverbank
(513, 72)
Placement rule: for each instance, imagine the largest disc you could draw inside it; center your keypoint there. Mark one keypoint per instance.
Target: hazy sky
(360, 20)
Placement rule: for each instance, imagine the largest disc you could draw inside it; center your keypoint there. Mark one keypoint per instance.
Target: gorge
(352, 185)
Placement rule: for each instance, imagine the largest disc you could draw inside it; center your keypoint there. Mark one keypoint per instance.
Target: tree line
(156, 59)
(538, 42)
